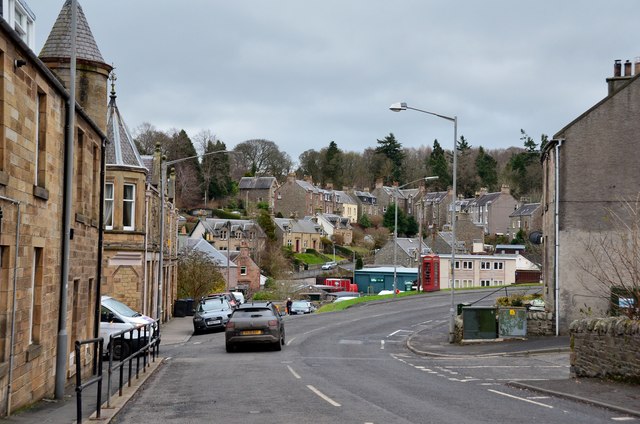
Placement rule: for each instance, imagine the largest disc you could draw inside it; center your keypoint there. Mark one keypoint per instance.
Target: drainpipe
(557, 234)
(13, 301)
(96, 320)
(146, 248)
(61, 353)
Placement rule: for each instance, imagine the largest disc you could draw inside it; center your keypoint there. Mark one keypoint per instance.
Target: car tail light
(231, 324)
(273, 323)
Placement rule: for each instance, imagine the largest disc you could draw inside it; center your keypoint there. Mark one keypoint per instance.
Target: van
(115, 316)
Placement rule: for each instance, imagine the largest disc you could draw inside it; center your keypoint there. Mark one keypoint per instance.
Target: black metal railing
(143, 345)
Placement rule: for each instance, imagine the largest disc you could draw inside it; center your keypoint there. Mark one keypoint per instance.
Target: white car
(329, 265)
(115, 316)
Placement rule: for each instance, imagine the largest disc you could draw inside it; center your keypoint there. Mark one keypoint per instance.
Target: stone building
(526, 218)
(298, 198)
(491, 210)
(35, 250)
(299, 234)
(254, 190)
(590, 173)
(132, 225)
(248, 273)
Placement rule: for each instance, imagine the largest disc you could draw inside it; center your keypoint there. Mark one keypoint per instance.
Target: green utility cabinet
(479, 322)
(512, 322)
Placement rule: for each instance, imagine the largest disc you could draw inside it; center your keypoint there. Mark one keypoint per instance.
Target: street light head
(435, 177)
(397, 107)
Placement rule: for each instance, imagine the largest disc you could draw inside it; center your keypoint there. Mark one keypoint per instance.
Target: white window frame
(107, 200)
(243, 270)
(130, 203)
(498, 265)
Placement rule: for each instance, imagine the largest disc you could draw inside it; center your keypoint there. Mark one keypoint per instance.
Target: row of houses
(61, 246)
(496, 212)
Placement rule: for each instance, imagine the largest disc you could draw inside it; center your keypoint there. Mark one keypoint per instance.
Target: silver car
(302, 307)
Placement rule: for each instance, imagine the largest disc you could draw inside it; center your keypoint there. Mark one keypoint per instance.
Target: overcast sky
(302, 73)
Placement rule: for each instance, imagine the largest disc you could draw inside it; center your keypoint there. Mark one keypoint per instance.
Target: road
(352, 367)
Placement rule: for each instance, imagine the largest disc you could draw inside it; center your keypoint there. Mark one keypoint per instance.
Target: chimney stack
(636, 66)
(618, 79)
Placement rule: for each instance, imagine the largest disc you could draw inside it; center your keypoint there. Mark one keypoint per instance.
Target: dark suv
(255, 323)
(211, 313)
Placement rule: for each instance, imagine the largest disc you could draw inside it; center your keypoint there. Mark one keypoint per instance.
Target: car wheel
(282, 339)
(121, 349)
(230, 347)
(277, 346)
(196, 331)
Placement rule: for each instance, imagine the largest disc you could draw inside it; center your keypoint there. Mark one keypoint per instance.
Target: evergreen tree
(487, 169)
(392, 149)
(364, 221)
(439, 166)
(388, 220)
(332, 166)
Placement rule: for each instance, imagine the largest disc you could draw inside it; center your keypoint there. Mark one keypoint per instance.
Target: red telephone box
(430, 273)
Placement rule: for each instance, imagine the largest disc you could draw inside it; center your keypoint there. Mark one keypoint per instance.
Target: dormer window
(22, 19)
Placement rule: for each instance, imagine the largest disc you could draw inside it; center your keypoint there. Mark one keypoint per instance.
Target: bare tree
(261, 158)
(146, 136)
(198, 275)
(612, 258)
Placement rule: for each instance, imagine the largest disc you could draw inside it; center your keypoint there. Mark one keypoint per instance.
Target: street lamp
(398, 107)
(163, 179)
(395, 232)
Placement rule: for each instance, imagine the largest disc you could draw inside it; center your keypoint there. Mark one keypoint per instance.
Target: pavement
(620, 397)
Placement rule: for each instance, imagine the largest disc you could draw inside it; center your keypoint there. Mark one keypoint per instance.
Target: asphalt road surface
(352, 367)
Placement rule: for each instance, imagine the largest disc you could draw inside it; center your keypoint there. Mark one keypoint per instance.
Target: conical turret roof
(58, 44)
(121, 151)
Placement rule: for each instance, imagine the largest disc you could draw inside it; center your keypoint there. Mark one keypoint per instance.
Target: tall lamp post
(398, 107)
(395, 232)
(163, 179)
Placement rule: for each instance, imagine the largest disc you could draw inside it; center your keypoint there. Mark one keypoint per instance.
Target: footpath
(620, 397)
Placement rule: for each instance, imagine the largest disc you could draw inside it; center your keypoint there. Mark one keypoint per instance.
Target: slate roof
(122, 150)
(58, 44)
(147, 162)
(298, 225)
(410, 245)
(435, 196)
(256, 183)
(525, 210)
(344, 197)
(216, 225)
(203, 246)
(365, 197)
(486, 199)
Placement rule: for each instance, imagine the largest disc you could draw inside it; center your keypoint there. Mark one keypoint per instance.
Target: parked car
(255, 323)
(302, 307)
(211, 313)
(239, 296)
(329, 265)
(115, 316)
(231, 298)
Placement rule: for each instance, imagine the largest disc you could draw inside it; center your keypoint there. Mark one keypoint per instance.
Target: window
(467, 265)
(243, 270)
(80, 174)
(108, 206)
(497, 265)
(289, 243)
(223, 234)
(485, 265)
(128, 207)
(23, 20)
(40, 156)
(485, 283)
(34, 304)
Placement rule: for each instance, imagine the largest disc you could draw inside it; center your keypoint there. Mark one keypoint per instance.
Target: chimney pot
(617, 68)
(627, 68)
(636, 70)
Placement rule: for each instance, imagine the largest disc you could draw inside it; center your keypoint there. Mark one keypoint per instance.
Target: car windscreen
(300, 305)
(214, 305)
(250, 312)
(120, 308)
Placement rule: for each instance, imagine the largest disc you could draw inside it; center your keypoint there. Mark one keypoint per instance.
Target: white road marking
(197, 343)
(290, 341)
(623, 418)
(323, 396)
(381, 344)
(399, 331)
(519, 398)
(295, 374)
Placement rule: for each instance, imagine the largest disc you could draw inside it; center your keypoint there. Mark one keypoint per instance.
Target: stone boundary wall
(606, 348)
(540, 324)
